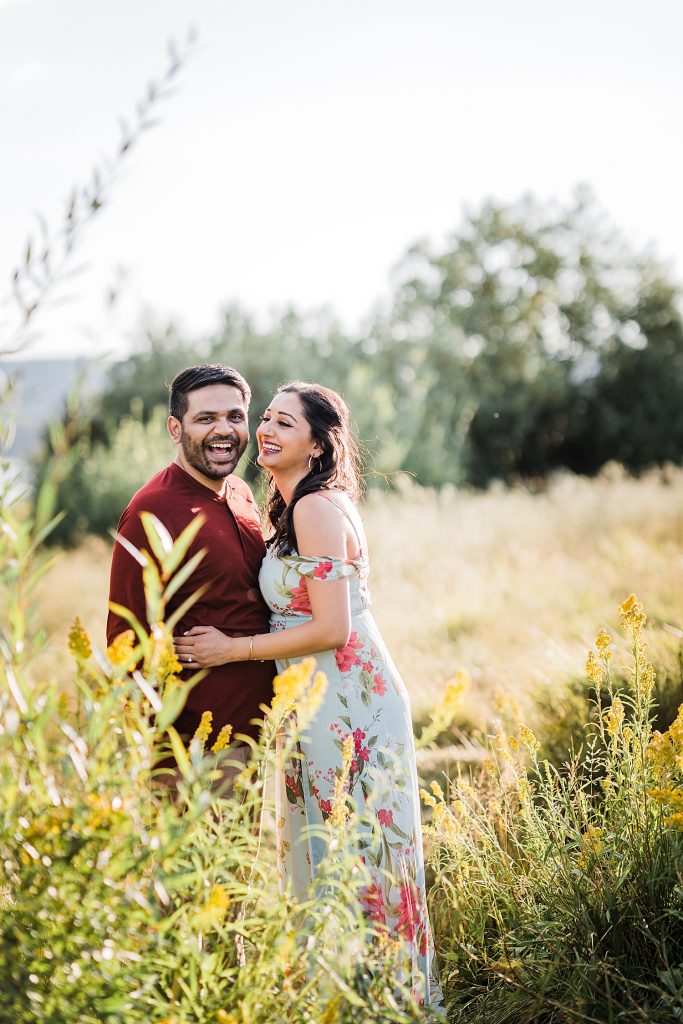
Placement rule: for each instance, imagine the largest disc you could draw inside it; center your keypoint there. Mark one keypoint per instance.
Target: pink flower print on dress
(385, 817)
(325, 806)
(379, 686)
(408, 913)
(300, 601)
(322, 570)
(347, 656)
(372, 902)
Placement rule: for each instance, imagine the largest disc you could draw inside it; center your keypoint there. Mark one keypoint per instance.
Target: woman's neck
(286, 484)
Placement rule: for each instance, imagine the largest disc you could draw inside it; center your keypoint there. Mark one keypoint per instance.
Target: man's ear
(174, 428)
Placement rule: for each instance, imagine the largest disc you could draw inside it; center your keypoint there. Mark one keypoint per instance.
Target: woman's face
(284, 437)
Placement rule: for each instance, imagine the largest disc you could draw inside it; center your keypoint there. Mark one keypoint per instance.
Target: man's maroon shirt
(232, 603)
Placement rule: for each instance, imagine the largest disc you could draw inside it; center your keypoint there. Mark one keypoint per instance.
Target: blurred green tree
(534, 339)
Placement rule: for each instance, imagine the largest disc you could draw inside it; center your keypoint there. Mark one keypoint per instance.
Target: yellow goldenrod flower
(213, 911)
(513, 744)
(675, 820)
(444, 822)
(339, 815)
(489, 767)
(121, 647)
(223, 739)
(291, 685)
(603, 641)
(614, 717)
(427, 798)
(594, 669)
(79, 641)
(203, 730)
(594, 845)
(632, 616)
(436, 790)
(524, 790)
(529, 740)
(330, 1014)
(444, 714)
(311, 699)
(226, 1018)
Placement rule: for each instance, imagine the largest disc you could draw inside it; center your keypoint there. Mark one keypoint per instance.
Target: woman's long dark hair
(337, 467)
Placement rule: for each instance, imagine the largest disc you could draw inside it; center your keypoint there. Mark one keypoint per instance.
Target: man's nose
(223, 426)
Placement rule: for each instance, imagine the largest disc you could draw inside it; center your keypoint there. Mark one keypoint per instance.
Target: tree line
(535, 338)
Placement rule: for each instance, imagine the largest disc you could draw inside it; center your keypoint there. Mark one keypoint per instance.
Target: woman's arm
(320, 530)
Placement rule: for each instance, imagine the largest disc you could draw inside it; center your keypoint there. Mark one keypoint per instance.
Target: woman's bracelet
(251, 649)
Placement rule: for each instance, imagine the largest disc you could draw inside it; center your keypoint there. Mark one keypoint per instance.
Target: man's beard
(198, 457)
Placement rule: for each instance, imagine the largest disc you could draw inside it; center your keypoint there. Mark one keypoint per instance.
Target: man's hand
(205, 647)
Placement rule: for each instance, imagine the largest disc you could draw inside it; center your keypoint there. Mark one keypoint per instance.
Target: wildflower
(675, 820)
(594, 669)
(602, 642)
(524, 790)
(226, 1018)
(213, 911)
(291, 684)
(489, 767)
(445, 823)
(628, 736)
(223, 739)
(529, 740)
(436, 790)
(594, 844)
(632, 616)
(614, 717)
(444, 714)
(164, 665)
(340, 811)
(309, 702)
(121, 647)
(79, 641)
(661, 752)
(203, 730)
(427, 798)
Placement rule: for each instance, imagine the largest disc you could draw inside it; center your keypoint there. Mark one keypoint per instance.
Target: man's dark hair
(200, 377)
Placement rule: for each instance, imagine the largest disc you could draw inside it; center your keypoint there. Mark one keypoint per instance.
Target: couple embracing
(304, 593)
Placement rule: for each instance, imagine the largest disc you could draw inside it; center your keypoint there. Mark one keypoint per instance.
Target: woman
(314, 579)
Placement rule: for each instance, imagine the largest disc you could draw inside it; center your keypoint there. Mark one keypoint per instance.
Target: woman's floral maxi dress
(366, 698)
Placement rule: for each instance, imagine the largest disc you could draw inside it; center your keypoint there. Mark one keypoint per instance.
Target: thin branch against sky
(309, 144)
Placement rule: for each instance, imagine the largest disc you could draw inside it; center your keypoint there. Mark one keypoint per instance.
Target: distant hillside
(41, 389)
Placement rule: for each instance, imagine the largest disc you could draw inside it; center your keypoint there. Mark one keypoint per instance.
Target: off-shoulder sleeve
(322, 567)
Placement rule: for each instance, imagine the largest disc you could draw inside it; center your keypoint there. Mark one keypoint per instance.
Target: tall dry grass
(510, 584)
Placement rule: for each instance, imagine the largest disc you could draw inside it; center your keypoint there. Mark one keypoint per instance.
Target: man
(208, 407)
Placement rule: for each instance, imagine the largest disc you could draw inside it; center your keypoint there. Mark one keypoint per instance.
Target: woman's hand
(205, 647)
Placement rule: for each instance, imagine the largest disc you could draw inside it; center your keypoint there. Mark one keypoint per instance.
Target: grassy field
(508, 584)
(555, 892)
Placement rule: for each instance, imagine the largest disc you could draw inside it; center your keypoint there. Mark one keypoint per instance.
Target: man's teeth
(220, 446)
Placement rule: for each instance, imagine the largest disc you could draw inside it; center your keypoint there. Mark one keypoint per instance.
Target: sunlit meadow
(552, 784)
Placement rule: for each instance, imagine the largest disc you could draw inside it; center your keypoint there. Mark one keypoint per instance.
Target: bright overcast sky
(311, 142)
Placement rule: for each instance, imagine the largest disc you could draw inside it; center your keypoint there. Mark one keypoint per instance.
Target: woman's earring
(310, 466)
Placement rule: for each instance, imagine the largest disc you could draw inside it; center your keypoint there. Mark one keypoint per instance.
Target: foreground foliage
(121, 902)
(557, 893)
